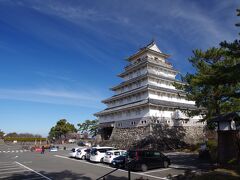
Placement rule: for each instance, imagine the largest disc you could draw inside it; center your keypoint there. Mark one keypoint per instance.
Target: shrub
(24, 139)
(212, 147)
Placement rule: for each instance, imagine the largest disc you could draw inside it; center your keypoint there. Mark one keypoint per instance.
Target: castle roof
(152, 47)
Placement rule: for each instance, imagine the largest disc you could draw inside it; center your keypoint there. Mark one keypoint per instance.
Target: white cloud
(53, 96)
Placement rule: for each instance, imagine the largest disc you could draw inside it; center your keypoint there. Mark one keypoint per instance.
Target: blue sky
(59, 58)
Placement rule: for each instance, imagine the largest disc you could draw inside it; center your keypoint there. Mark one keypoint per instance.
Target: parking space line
(7, 162)
(33, 170)
(100, 165)
(158, 170)
(7, 165)
(10, 168)
(8, 172)
(182, 167)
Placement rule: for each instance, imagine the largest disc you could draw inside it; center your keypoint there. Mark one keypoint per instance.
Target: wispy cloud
(60, 97)
(55, 76)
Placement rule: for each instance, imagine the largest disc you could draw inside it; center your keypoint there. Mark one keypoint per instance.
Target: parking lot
(57, 165)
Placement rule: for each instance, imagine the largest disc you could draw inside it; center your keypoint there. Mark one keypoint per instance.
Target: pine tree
(215, 85)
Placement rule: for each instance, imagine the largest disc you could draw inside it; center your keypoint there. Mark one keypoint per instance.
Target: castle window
(122, 89)
(138, 111)
(133, 123)
(120, 101)
(137, 97)
(138, 72)
(129, 86)
(130, 75)
(128, 113)
(120, 115)
(138, 84)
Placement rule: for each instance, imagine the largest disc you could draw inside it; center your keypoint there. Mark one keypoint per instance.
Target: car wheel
(165, 164)
(83, 157)
(144, 167)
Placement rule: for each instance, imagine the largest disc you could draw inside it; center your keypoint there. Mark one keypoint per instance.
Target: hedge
(24, 139)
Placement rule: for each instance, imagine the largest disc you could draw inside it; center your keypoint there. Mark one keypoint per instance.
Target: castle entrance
(106, 130)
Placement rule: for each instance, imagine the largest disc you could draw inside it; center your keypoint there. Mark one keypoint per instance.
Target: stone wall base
(158, 137)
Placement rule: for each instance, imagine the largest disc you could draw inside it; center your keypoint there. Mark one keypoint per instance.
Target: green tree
(89, 126)
(60, 130)
(215, 85)
(12, 134)
(1, 134)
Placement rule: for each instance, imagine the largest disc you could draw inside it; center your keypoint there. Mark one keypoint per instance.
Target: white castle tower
(146, 91)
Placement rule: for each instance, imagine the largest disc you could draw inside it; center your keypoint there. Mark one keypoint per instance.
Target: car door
(158, 160)
(147, 158)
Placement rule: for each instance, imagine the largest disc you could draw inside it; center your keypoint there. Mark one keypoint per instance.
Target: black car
(119, 162)
(146, 159)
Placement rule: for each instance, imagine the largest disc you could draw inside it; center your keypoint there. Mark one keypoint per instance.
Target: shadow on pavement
(69, 175)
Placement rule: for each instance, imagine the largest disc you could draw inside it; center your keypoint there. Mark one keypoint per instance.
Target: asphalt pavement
(29, 165)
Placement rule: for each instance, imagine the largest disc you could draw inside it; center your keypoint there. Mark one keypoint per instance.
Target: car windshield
(93, 151)
(124, 154)
(73, 150)
(117, 153)
(120, 157)
(87, 150)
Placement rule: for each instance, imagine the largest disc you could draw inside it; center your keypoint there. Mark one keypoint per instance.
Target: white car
(53, 149)
(97, 153)
(73, 152)
(81, 153)
(110, 155)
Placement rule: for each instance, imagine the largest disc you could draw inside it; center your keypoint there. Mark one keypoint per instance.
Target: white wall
(161, 83)
(168, 97)
(125, 114)
(131, 86)
(136, 73)
(161, 71)
(128, 99)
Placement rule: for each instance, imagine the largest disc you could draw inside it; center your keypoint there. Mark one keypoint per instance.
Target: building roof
(148, 101)
(121, 107)
(172, 104)
(227, 117)
(148, 74)
(152, 47)
(144, 88)
(143, 63)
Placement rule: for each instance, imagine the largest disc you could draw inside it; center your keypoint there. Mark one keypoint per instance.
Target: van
(97, 153)
(146, 159)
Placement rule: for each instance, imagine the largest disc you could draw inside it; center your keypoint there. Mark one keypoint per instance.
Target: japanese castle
(147, 91)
